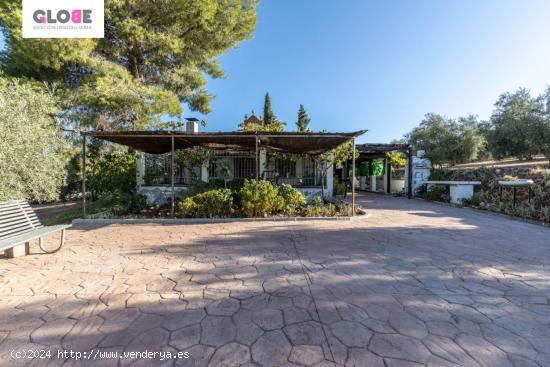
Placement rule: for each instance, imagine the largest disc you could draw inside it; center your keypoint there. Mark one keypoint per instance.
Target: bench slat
(17, 218)
(11, 216)
(7, 205)
(11, 211)
(16, 210)
(15, 231)
(16, 221)
(33, 235)
(19, 224)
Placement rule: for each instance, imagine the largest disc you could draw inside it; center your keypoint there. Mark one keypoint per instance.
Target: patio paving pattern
(416, 284)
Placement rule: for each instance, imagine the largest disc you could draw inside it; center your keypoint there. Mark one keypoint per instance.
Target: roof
(159, 142)
(370, 148)
(253, 120)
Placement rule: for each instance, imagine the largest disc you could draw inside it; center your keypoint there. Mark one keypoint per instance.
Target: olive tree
(31, 164)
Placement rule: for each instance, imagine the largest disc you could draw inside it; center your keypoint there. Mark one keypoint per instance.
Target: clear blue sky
(381, 65)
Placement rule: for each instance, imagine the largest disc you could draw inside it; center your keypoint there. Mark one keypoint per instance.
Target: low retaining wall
(214, 220)
(158, 195)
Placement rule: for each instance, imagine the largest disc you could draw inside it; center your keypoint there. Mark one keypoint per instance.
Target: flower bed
(257, 199)
(244, 199)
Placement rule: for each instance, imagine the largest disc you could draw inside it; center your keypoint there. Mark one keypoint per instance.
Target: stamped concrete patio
(417, 284)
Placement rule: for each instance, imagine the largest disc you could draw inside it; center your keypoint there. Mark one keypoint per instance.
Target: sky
(382, 65)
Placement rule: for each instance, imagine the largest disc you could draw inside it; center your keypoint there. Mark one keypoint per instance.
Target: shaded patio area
(416, 284)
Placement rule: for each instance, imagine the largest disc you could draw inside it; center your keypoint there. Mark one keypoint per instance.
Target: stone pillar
(263, 161)
(204, 172)
(330, 181)
(461, 192)
(140, 171)
(385, 175)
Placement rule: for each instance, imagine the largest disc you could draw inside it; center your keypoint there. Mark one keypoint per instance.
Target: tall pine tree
(303, 120)
(155, 55)
(269, 117)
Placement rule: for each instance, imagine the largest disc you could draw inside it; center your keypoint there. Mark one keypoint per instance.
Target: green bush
(327, 210)
(436, 193)
(339, 188)
(213, 203)
(110, 169)
(187, 208)
(129, 203)
(477, 198)
(319, 208)
(439, 175)
(260, 199)
(292, 199)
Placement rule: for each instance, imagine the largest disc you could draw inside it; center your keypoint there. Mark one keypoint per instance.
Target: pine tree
(154, 56)
(269, 118)
(303, 120)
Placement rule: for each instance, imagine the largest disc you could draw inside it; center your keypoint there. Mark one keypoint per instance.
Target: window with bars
(158, 171)
(240, 165)
(301, 172)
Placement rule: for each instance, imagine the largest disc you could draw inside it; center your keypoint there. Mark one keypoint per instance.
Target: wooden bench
(19, 225)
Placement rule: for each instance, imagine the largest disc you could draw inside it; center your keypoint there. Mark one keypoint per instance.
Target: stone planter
(397, 185)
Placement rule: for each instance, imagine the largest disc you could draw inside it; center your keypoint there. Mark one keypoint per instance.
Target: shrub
(213, 203)
(439, 175)
(187, 207)
(318, 208)
(129, 203)
(476, 200)
(292, 199)
(436, 194)
(110, 169)
(260, 199)
(339, 188)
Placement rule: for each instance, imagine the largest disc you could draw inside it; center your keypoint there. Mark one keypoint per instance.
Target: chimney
(191, 125)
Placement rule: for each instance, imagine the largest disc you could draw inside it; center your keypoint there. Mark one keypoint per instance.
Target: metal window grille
(299, 173)
(241, 165)
(158, 171)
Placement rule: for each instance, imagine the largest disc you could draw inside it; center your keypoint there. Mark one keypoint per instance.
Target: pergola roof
(381, 148)
(159, 142)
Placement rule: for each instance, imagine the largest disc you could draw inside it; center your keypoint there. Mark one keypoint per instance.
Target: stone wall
(488, 195)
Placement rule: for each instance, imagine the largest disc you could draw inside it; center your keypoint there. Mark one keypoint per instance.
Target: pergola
(161, 142)
(370, 151)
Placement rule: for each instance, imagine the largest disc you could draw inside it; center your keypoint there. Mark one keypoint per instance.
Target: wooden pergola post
(409, 174)
(172, 172)
(353, 177)
(257, 159)
(83, 176)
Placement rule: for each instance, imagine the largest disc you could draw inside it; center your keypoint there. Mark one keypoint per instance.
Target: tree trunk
(323, 186)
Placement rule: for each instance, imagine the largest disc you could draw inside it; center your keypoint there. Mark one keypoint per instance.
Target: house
(154, 178)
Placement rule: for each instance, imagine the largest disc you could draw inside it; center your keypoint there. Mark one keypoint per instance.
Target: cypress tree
(269, 118)
(303, 120)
